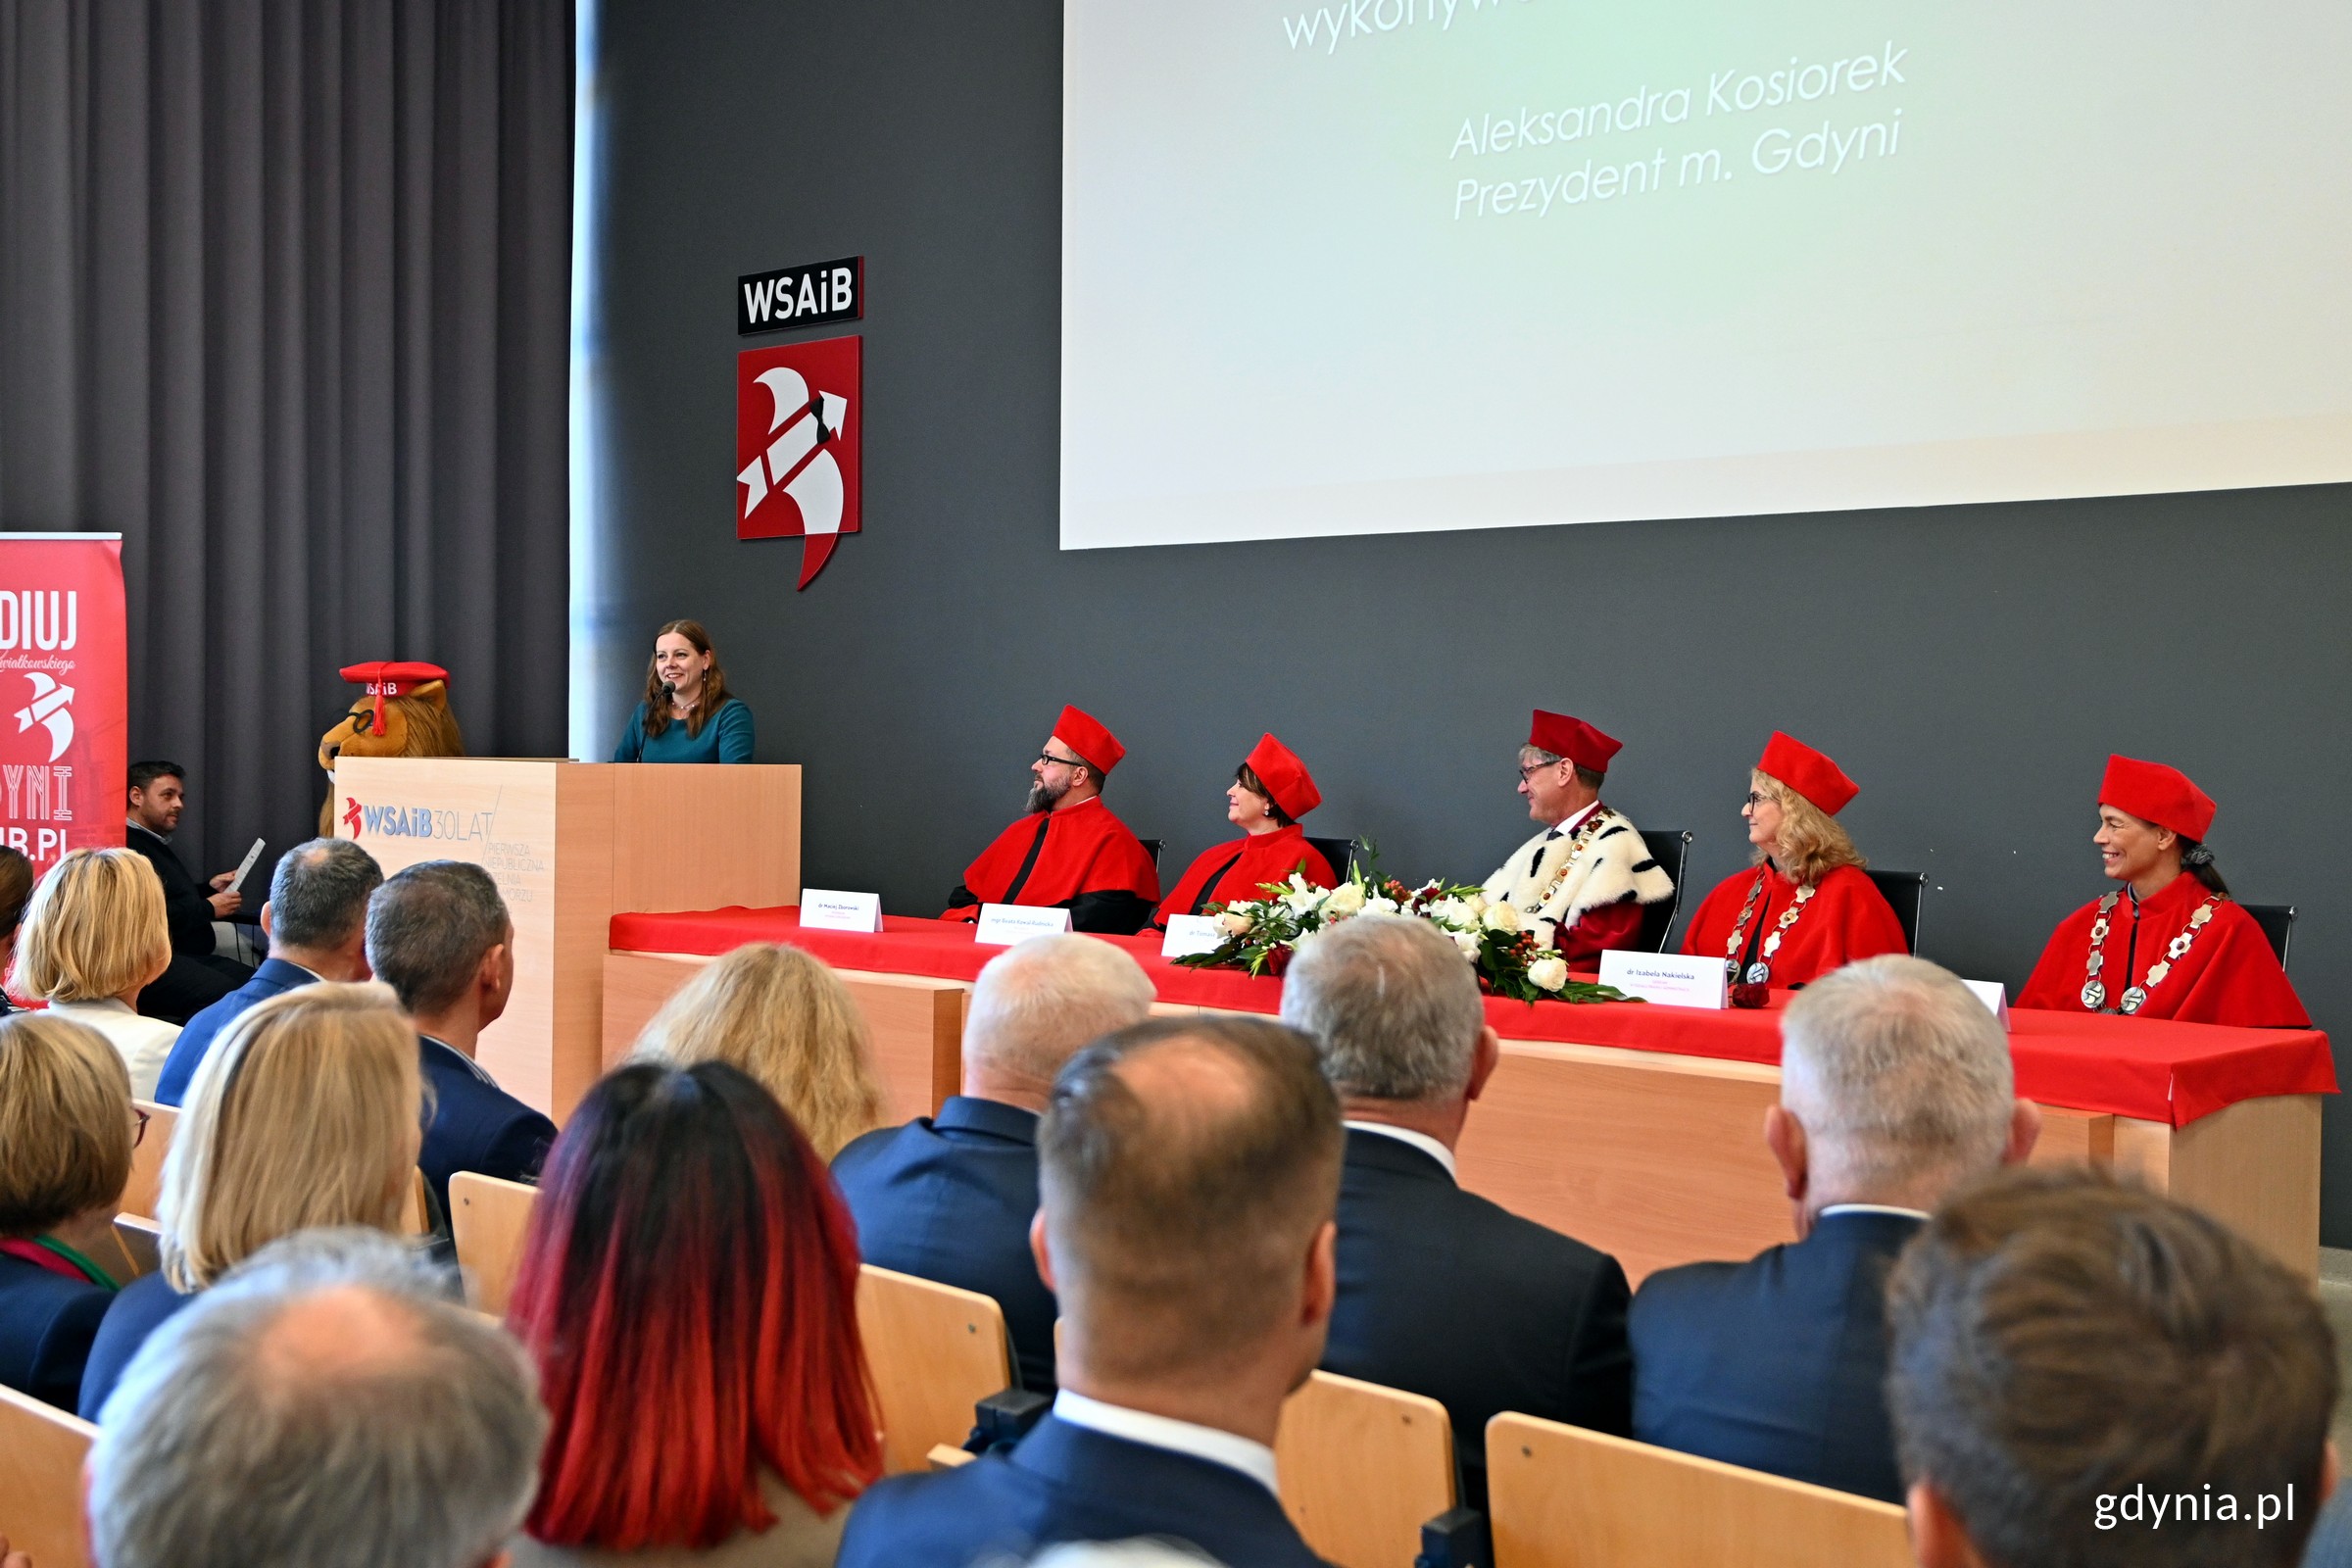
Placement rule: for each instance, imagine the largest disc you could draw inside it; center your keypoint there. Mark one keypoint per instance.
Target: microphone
(667, 690)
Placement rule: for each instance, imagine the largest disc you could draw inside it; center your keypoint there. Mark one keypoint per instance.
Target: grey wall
(1970, 667)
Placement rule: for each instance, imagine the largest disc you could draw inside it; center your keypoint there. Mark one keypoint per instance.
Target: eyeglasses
(1533, 768)
(1756, 797)
(1051, 761)
(138, 1126)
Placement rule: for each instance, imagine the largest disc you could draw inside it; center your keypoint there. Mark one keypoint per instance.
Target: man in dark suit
(1895, 1088)
(198, 976)
(949, 1198)
(438, 934)
(317, 922)
(1443, 1293)
(1187, 1171)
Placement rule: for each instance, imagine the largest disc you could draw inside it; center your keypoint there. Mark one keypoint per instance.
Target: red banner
(65, 701)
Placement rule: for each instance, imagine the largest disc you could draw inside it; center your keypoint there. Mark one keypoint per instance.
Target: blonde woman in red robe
(1270, 791)
(2169, 943)
(1809, 906)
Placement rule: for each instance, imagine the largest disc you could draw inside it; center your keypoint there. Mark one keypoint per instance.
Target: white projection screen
(1336, 266)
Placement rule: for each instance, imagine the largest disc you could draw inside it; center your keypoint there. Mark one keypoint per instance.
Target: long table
(1636, 1128)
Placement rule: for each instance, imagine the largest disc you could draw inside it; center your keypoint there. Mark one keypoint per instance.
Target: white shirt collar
(1406, 1135)
(1569, 825)
(1873, 1208)
(1228, 1448)
(99, 1005)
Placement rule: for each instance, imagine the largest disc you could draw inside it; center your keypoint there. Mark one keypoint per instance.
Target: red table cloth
(2150, 1068)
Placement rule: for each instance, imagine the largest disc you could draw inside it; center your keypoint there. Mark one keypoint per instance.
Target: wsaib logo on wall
(64, 697)
(797, 423)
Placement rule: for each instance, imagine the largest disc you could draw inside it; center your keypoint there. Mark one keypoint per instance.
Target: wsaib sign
(809, 295)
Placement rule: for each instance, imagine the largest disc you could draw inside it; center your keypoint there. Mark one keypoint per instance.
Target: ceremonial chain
(1577, 842)
(1760, 972)
(2094, 989)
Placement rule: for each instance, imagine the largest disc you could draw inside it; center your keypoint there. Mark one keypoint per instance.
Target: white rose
(1346, 899)
(1477, 903)
(1451, 911)
(1236, 922)
(1502, 918)
(1380, 905)
(1302, 899)
(1549, 973)
(1467, 943)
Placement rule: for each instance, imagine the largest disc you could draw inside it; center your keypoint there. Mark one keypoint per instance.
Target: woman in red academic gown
(2169, 943)
(1270, 791)
(1808, 906)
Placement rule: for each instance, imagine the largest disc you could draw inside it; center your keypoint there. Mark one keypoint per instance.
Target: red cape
(1245, 864)
(2229, 976)
(1087, 850)
(1846, 918)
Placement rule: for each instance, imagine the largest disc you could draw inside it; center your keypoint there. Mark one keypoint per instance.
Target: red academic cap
(1286, 778)
(1573, 739)
(389, 677)
(2155, 793)
(1096, 746)
(1808, 772)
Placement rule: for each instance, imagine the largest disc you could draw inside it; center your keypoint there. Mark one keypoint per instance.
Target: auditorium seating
(1338, 851)
(40, 1481)
(934, 1352)
(141, 1241)
(1671, 849)
(147, 1159)
(2278, 922)
(488, 1218)
(1904, 890)
(1363, 1468)
(1559, 1496)
(1152, 846)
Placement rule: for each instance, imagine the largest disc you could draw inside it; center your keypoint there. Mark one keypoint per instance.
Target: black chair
(1339, 851)
(2278, 922)
(1151, 848)
(1672, 851)
(1904, 890)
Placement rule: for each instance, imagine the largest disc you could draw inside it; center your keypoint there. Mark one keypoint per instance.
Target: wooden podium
(571, 845)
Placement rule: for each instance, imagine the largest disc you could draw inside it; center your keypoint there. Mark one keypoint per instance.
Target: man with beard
(1068, 851)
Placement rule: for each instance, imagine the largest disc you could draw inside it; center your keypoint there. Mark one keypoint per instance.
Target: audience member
(197, 976)
(1442, 1292)
(438, 934)
(317, 922)
(93, 938)
(326, 1406)
(689, 1289)
(2082, 1372)
(304, 1114)
(1895, 1088)
(779, 1015)
(950, 1198)
(16, 892)
(67, 1128)
(1188, 1172)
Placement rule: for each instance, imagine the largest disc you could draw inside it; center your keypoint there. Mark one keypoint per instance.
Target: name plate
(822, 909)
(1670, 979)
(1993, 995)
(1003, 924)
(1189, 934)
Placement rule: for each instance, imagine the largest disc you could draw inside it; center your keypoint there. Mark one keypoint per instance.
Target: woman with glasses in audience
(688, 714)
(779, 1015)
(689, 1290)
(66, 1130)
(308, 1110)
(1809, 906)
(94, 937)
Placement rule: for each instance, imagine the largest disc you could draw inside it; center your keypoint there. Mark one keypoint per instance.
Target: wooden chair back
(1363, 1466)
(489, 1218)
(141, 1241)
(1559, 1496)
(40, 1480)
(147, 1160)
(935, 1351)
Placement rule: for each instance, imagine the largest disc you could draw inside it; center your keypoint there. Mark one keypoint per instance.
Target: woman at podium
(1270, 791)
(687, 715)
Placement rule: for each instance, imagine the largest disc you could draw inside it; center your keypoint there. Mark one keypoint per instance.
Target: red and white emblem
(797, 419)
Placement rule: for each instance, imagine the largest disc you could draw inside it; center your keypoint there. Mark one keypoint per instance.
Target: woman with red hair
(688, 1288)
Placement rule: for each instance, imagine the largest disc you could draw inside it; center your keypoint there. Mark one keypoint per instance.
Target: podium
(571, 844)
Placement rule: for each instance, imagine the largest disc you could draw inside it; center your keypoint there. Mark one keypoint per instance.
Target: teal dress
(727, 737)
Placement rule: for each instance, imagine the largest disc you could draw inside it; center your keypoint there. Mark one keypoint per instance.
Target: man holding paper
(1069, 852)
(198, 976)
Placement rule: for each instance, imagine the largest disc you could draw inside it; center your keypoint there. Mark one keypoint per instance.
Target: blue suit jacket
(46, 1324)
(949, 1199)
(1070, 1482)
(196, 1037)
(476, 1125)
(141, 1307)
(1779, 1363)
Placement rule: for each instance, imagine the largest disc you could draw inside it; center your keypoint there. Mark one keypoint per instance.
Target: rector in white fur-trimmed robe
(1581, 883)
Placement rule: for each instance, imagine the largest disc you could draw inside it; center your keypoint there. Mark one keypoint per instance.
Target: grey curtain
(284, 300)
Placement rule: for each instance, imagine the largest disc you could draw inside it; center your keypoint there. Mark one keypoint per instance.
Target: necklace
(2094, 989)
(1577, 842)
(1760, 972)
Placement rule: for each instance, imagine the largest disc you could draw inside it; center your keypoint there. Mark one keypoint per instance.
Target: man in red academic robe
(1068, 851)
(2169, 943)
(1581, 883)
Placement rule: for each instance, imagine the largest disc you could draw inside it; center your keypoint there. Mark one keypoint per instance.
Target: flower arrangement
(1262, 934)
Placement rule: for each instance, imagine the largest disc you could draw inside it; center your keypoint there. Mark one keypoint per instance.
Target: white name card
(1671, 979)
(1993, 995)
(824, 909)
(1189, 934)
(1003, 924)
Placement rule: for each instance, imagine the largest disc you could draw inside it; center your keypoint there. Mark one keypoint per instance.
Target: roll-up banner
(65, 702)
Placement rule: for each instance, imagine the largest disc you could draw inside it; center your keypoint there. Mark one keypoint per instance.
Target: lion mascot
(404, 711)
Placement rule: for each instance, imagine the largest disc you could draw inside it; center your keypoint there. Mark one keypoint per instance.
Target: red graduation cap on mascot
(2155, 793)
(1288, 783)
(1097, 747)
(1579, 742)
(391, 677)
(1808, 772)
